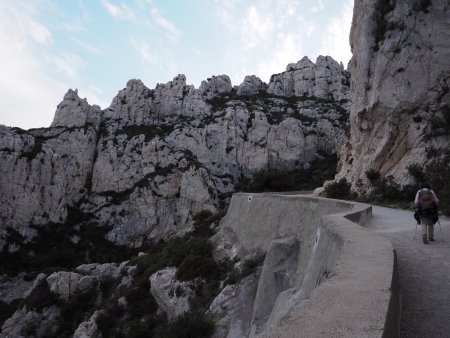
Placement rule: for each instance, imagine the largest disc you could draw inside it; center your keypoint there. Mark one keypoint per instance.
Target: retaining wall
(324, 275)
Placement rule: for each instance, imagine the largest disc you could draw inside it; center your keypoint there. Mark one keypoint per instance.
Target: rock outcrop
(75, 112)
(400, 112)
(145, 165)
(42, 323)
(98, 184)
(172, 296)
(326, 79)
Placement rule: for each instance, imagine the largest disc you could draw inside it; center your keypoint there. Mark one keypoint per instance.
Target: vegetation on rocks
(339, 190)
(386, 191)
(54, 248)
(321, 169)
(192, 255)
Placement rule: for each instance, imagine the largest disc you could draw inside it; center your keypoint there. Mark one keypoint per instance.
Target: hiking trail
(424, 272)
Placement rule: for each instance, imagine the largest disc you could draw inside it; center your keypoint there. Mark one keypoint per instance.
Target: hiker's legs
(427, 229)
(431, 231)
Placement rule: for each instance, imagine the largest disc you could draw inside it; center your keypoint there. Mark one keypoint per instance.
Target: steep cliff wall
(400, 83)
(155, 157)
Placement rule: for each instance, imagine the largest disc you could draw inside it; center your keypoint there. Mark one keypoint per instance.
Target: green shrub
(437, 175)
(194, 266)
(249, 266)
(202, 223)
(53, 249)
(7, 310)
(372, 175)
(40, 297)
(193, 324)
(339, 190)
(320, 170)
(416, 171)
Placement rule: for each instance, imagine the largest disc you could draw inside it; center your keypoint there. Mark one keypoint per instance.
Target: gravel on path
(424, 272)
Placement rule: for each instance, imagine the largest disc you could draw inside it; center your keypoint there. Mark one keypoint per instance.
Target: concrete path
(424, 272)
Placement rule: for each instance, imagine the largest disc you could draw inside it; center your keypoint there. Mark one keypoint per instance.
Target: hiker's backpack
(426, 198)
(427, 206)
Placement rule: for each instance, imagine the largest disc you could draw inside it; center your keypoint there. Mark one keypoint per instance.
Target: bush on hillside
(339, 190)
(292, 180)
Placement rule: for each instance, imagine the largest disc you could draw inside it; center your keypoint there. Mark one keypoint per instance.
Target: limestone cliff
(97, 184)
(400, 112)
(155, 157)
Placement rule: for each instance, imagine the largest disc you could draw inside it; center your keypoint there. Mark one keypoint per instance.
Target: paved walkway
(424, 272)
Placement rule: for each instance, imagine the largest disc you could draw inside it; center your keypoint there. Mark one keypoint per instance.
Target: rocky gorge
(99, 186)
(110, 220)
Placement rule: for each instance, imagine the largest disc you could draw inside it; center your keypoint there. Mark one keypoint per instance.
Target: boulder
(88, 328)
(75, 112)
(171, 295)
(67, 284)
(232, 309)
(215, 86)
(25, 323)
(252, 85)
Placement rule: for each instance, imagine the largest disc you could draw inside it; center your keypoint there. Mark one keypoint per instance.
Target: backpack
(426, 198)
(427, 205)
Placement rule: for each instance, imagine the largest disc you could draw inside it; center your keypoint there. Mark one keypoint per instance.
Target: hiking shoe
(425, 239)
(431, 239)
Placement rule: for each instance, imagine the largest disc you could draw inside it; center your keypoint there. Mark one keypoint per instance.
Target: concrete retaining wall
(333, 277)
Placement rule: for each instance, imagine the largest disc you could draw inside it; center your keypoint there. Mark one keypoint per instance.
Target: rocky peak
(304, 63)
(252, 85)
(215, 86)
(75, 112)
(326, 80)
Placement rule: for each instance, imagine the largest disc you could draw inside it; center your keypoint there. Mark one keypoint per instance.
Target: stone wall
(322, 272)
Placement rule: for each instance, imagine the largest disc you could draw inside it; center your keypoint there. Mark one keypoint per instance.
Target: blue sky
(96, 46)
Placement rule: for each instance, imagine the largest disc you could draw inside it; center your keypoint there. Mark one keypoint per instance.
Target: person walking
(427, 204)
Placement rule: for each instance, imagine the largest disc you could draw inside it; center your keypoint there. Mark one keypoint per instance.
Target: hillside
(81, 198)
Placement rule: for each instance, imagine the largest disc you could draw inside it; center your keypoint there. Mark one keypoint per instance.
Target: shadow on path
(424, 272)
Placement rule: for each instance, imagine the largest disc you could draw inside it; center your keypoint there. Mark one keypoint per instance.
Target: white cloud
(169, 27)
(256, 28)
(121, 11)
(91, 49)
(287, 50)
(40, 33)
(335, 37)
(29, 96)
(144, 51)
(75, 26)
(93, 95)
(68, 64)
(318, 7)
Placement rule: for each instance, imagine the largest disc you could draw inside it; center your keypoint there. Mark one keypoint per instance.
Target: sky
(96, 46)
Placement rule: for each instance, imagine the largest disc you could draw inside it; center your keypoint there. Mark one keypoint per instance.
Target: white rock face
(400, 81)
(23, 322)
(89, 328)
(252, 85)
(232, 309)
(13, 287)
(171, 295)
(67, 284)
(215, 86)
(155, 157)
(326, 80)
(42, 173)
(75, 112)
(102, 271)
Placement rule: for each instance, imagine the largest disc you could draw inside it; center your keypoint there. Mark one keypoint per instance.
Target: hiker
(427, 211)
